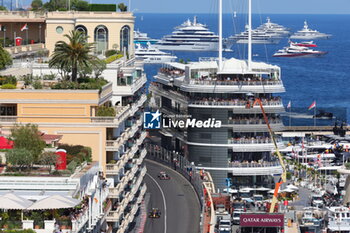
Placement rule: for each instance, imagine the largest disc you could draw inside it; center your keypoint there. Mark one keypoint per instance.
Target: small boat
(323, 115)
(152, 55)
(303, 44)
(298, 51)
(311, 220)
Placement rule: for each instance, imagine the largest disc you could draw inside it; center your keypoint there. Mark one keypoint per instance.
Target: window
(81, 28)
(59, 30)
(125, 38)
(205, 135)
(101, 39)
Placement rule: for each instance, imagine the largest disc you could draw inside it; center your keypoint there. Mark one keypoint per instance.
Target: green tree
(3, 8)
(55, 5)
(122, 7)
(20, 157)
(98, 67)
(28, 137)
(48, 159)
(74, 55)
(80, 5)
(5, 58)
(37, 5)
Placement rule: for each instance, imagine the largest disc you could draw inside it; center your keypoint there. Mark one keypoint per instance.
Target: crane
(283, 177)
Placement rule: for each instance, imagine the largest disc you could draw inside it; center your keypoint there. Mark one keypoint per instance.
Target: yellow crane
(283, 177)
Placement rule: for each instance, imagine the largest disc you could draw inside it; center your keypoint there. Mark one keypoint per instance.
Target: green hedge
(8, 86)
(113, 58)
(105, 111)
(103, 7)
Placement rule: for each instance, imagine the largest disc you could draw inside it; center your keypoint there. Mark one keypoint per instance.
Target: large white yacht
(273, 28)
(259, 36)
(308, 34)
(190, 36)
(142, 38)
(150, 54)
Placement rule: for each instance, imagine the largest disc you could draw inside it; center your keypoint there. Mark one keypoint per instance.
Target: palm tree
(74, 55)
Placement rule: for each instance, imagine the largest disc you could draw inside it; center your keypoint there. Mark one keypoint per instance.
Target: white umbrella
(262, 189)
(54, 202)
(245, 190)
(11, 201)
(293, 187)
(230, 190)
(287, 190)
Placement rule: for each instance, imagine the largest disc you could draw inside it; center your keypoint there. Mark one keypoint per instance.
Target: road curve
(181, 202)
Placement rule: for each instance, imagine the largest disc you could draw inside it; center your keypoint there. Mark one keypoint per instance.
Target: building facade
(108, 30)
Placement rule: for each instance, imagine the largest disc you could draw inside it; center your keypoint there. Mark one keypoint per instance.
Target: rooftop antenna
(249, 34)
(220, 35)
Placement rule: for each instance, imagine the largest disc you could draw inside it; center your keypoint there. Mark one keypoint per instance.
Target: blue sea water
(323, 79)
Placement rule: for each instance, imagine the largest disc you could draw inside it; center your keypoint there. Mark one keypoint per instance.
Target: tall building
(241, 148)
(116, 141)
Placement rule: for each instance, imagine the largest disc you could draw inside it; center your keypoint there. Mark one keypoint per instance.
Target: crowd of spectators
(171, 71)
(250, 140)
(236, 101)
(253, 163)
(243, 80)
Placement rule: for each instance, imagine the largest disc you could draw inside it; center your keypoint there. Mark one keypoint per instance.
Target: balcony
(216, 86)
(274, 105)
(142, 137)
(138, 104)
(254, 125)
(121, 114)
(253, 145)
(130, 216)
(255, 168)
(113, 216)
(113, 169)
(141, 157)
(115, 192)
(130, 89)
(171, 94)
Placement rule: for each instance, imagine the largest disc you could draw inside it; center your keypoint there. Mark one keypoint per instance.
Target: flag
(25, 27)
(289, 104)
(313, 105)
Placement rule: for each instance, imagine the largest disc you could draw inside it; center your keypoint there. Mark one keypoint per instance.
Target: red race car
(163, 176)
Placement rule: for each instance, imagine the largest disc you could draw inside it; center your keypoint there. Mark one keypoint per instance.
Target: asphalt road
(175, 198)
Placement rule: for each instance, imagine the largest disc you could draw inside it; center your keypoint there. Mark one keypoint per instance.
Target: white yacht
(142, 38)
(192, 36)
(258, 37)
(339, 219)
(273, 28)
(150, 54)
(308, 34)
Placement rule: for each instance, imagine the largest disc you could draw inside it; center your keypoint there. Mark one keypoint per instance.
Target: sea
(323, 79)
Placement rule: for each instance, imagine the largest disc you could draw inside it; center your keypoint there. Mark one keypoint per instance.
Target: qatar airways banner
(262, 220)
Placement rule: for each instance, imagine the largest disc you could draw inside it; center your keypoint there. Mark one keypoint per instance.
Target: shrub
(110, 52)
(72, 166)
(347, 166)
(113, 58)
(37, 85)
(103, 7)
(8, 86)
(105, 111)
(8, 80)
(77, 153)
